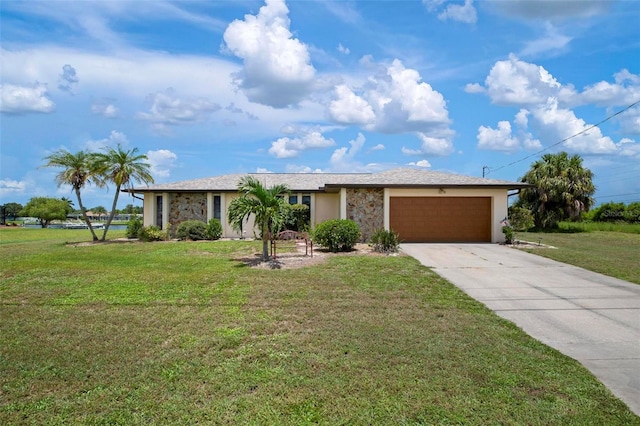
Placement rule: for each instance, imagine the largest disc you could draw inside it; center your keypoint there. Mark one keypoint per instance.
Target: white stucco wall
(327, 206)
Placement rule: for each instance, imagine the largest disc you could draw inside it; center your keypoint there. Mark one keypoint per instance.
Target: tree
(46, 210)
(562, 189)
(123, 168)
(78, 170)
(267, 205)
(99, 210)
(12, 210)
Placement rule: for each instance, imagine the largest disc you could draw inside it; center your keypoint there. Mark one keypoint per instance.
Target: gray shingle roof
(309, 182)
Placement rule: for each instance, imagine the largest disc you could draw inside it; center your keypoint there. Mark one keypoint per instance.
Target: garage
(441, 219)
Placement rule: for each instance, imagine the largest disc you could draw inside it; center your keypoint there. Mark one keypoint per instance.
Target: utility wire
(489, 170)
(619, 195)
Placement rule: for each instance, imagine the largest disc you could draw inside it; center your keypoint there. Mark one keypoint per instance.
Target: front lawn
(616, 254)
(185, 333)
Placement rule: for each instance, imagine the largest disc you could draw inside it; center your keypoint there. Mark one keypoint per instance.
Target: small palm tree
(79, 169)
(267, 205)
(122, 168)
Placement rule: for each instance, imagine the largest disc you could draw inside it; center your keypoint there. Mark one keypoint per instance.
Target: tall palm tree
(562, 189)
(123, 168)
(266, 204)
(78, 170)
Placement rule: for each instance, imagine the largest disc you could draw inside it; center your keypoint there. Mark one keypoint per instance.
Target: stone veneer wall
(186, 206)
(365, 206)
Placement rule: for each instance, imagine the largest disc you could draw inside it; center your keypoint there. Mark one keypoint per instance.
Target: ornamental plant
(133, 227)
(152, 233)
(214, 229)
(194, 230)
(337, 234)
(384, 241)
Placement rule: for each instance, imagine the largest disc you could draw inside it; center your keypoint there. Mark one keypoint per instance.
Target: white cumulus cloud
(162, 162)
(462, 13)
(23, 99)
(292, 147)
(277, 66)
(396, 100)
(554, 123)
(105, 107)
(421, 163)
(115, 138)
(342, 159)
(11, 187)
(167, 108)
(516, 82)
(349, 108)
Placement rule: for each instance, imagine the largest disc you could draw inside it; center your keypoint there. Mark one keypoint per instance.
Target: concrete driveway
(590, 317)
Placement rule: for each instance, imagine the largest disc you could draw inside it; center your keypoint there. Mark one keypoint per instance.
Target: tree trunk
(265, 249)
(112, 214)
(84, 215)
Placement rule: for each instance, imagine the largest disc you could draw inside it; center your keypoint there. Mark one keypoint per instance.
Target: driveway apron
(590, 317)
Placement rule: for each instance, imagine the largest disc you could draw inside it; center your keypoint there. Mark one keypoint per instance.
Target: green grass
(629, 228)
(185, 333)
(615, 254)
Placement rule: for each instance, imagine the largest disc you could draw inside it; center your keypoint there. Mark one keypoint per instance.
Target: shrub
(192, 230)
(337, 234)
(509, 234)
(214, 229)
(520, 218)
(610, 212)
(133, 227)
(298, 218)
(152, 233)
(384, 241)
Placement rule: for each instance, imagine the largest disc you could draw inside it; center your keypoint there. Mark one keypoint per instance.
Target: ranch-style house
(420, 205)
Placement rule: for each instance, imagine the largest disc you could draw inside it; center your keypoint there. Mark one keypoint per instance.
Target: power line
(619, 195)
(489, 170)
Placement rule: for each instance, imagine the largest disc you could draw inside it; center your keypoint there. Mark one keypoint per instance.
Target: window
(293, 199)
(306, 200)
(159, 211)
(216, 207)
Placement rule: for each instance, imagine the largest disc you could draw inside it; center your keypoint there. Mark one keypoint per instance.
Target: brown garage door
(441, 219)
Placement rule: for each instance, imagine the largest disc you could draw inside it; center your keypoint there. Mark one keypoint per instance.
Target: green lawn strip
(355, 340)
(611, 253)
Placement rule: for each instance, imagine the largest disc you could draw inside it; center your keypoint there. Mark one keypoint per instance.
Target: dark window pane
(216, 207)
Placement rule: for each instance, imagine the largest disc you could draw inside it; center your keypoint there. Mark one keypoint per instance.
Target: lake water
(111, 228)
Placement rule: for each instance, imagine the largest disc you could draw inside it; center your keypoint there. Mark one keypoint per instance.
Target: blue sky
(207, 88)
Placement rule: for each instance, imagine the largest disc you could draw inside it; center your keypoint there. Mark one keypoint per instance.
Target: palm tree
(122, 168)
(562, 189)
(266, 204)
(79, 169)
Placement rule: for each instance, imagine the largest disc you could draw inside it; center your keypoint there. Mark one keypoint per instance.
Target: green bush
(337, 234)
(610, 212)
(520, 218)
(298, 218)
(192, 230)
(152, 233)
(214, 229)
(133, 227)
(384, 241)
(509, 234)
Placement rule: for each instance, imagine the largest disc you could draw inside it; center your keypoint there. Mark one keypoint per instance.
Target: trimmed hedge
(192, 230)
(337, 234)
